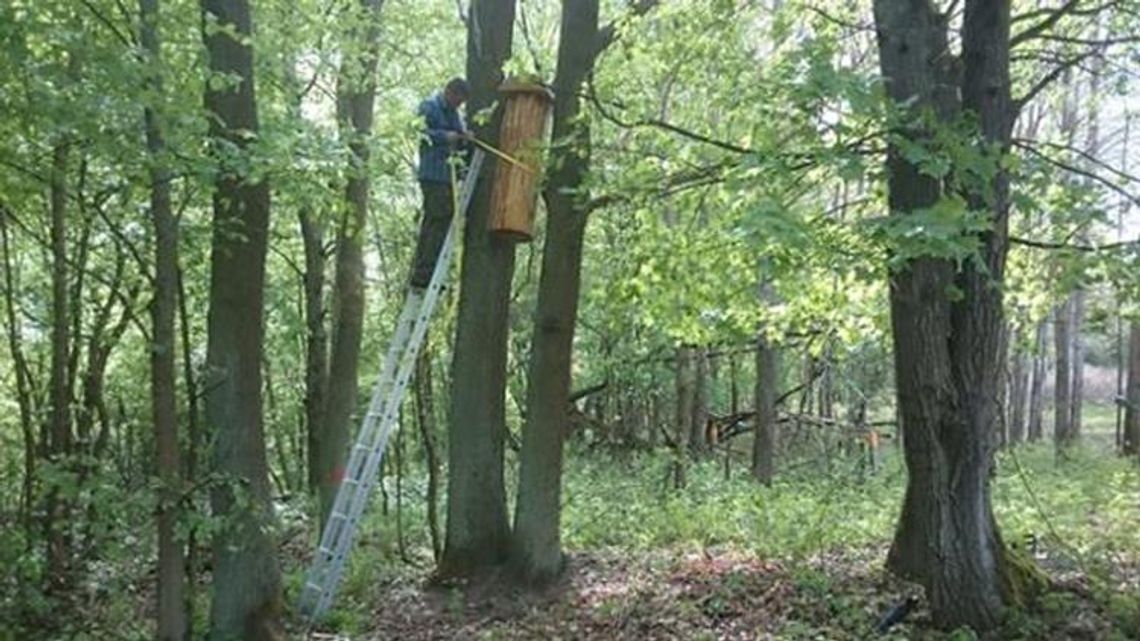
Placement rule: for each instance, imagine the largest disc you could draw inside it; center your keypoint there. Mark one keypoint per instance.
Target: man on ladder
(444, 132)
(435, 251)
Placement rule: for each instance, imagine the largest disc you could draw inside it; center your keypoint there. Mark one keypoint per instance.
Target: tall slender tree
(246, 591)
(356, 95)
(172, 619)
(1063, 376)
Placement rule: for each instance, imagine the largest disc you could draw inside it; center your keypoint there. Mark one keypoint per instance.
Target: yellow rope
(502, 154)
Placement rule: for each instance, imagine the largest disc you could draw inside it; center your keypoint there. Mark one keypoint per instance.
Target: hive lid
(521, 85)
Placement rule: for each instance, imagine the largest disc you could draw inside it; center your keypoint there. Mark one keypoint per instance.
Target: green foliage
(622, 503)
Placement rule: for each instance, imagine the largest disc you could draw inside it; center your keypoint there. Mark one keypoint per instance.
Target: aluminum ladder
(379, 422)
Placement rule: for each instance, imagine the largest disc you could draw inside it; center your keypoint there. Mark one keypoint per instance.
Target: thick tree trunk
(172, 620)
(536, 550)
(766, 393)
(1131, 446)
(246, 597)
(1037, 382)
(946, 351)
(1062, 377)
(477, 527)
(356, 93)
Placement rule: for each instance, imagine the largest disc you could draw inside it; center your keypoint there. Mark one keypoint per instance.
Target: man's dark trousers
(439, 206)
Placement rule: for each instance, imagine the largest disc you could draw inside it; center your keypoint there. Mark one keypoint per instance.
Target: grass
(827, 531)
(802, 559)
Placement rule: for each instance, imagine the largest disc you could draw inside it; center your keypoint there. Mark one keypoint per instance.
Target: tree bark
(23, 383)
(356, 95)
(1019, 386)
(425, 417)
(1062, 377)
(246, 596)
(767, 380)
(1037, 384)
(946, 348)
(477, 527)
(536, 550)
(59, 431)
(1077, 350)
(1131, 445)
(685, 375)
(697, 443)
(316, 343)
(172, 620)
(193, 442)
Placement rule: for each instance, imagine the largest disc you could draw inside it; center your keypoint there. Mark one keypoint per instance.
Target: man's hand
(454, 137)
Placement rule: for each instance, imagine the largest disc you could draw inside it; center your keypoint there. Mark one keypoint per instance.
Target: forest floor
(724, 559)
(711, 594)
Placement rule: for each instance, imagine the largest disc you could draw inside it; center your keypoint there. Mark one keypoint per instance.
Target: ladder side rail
(388, 421)
(334, 553)
(337, 522)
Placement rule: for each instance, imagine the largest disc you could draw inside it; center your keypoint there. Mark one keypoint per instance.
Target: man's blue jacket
(439, 118)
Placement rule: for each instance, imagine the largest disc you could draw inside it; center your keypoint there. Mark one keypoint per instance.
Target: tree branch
(1050, 78)
(608, 33)
(1078, 171)
(1040, 244)
(127, 41)
(1045, 24)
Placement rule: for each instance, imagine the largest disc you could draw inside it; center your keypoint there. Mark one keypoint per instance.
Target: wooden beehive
(526, 110)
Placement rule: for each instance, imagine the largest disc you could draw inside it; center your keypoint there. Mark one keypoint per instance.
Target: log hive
(515, 191)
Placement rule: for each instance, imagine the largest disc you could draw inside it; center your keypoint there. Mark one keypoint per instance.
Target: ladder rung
(379, 421)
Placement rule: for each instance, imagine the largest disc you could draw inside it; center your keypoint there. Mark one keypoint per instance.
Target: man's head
(456, 92)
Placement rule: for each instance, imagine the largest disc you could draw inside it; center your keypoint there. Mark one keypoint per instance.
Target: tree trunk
(536, 550)
(684, 412)
(59, 431)
(246, 598)
(1077, 350)
(1062, 377)
(23, 384)
(425, 417)
(1019, 386)
(477, 527)
(1131, 445)
(1037, 384)
(316, 343)
(697, 443)
(356, 93)
(767, 391)
(172, 619)
(193, 445)
(1001, 392)
(946, 348)
(733, 385)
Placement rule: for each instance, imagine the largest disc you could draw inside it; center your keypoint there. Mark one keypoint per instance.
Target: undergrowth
(1079, 517)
